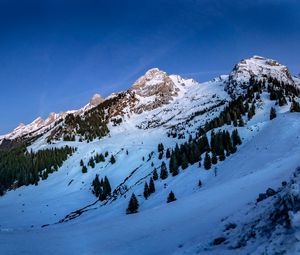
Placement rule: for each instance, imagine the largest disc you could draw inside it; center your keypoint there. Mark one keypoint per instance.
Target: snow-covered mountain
(163, 121)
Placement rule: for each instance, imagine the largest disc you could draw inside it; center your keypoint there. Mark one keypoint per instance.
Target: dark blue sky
(54, 55)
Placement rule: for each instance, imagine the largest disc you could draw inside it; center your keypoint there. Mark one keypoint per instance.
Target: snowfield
(30, 216)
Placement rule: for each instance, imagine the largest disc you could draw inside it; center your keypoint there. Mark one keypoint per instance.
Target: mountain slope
(168, 109)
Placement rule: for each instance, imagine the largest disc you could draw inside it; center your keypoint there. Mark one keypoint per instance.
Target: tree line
(19, 167)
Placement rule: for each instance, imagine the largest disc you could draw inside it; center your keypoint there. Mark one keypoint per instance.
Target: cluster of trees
(221, 144)
(95, 160)
(133, 204)
(232, 114)
(19, 167)
(89, 126)
(149, 189)
(101, 188)
(160, 149)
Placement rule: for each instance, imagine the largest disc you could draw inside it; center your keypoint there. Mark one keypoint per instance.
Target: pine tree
(236, 140)
(214, 158)
(84, 169)
(133, 205)
(184, 161)
(171, 197)
(199, 183)
(160, 147)
(91, 162)
(173, 165)
(81, 163)
(273, 113)
(151, 186)
(168, 154)
(106, 187)
(146, 191)
(163, 171)
(155, 175)
(207, 161)
(96, 186)
(112, 159)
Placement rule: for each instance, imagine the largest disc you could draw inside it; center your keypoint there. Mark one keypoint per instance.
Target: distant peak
(153, 71)
(96, 99)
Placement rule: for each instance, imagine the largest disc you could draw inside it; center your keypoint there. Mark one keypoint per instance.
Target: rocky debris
(275, 228)
(269, 193)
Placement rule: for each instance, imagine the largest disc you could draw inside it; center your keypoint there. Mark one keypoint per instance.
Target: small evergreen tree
(151, 186)
(146, 191)
(112, 159)
(214, 158)
(173, 165)
(155, 175)
(171, 197)
(207, 161)
(163, 171)
(133, 205)
(168, 153)
(91, 162)
(81, 163)
(199, 183)
(236, 140)
(84, 169)
(184, 161)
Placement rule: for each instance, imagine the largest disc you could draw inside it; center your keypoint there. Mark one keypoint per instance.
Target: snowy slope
(269, 155)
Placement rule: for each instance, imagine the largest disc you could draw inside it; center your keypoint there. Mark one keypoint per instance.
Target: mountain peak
(96, 99)
(258, 67)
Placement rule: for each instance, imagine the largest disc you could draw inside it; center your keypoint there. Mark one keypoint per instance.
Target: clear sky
(55, 54)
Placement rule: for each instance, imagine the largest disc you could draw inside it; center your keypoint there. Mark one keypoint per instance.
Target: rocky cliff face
(154, 89)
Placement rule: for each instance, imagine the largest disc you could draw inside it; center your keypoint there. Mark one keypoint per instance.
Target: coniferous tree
(146, 190)
(171, 197)
(112, 159)
(273, 113)
(173, 165)
(133, 205)
(155, 175)
(84, 169)
(151, 186)
(106, 187)
(207, 161)
(200, 183)
(168, 154)
(160, 147)
(81, 163)
(214, 158)
(236, 140)
(96, 186)
(222, 155)
(163, 171)
(184, 161)
(91, 162)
